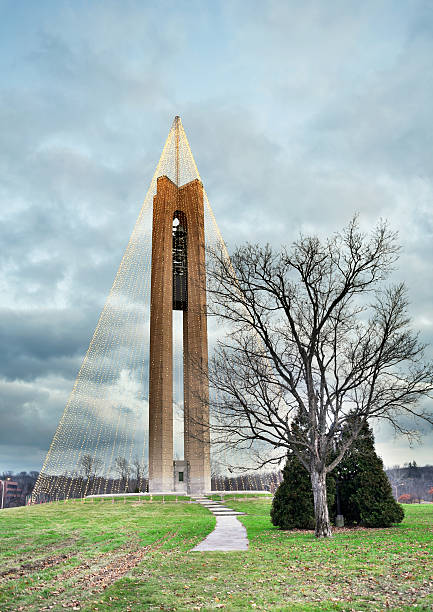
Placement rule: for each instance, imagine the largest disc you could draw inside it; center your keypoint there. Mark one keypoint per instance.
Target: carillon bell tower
(178, 282)
(161, 276)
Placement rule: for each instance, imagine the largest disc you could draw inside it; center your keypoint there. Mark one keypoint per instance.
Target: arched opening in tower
(180, 262)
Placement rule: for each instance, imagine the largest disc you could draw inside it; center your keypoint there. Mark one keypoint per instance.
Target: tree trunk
(318, 482)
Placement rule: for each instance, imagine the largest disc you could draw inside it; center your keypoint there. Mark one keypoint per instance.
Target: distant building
(10, 493)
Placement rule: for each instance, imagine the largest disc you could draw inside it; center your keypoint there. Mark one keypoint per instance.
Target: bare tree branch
(312, 332)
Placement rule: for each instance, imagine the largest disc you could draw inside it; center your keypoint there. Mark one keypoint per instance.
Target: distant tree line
(126, 477)
(412, 481)
(248, 481)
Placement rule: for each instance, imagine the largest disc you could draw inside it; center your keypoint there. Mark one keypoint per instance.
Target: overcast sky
(298, 113)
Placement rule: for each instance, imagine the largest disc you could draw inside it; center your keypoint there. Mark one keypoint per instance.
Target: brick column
(161, 344)
(195, 348)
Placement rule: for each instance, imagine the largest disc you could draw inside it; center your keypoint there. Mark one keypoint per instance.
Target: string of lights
(101, 442)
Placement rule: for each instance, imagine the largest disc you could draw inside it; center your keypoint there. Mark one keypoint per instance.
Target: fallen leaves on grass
(40, 564)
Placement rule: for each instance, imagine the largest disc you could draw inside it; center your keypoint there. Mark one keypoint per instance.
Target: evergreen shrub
(365, 492)
(293, 504)
(363, 487)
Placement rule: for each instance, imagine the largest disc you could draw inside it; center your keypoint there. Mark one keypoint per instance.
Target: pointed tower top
(177, 123)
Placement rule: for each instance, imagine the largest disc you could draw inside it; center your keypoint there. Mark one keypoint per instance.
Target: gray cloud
(306, 114)
(43, 342)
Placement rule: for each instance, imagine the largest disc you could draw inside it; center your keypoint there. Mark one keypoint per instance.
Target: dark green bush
(293, 505)
(363, 488)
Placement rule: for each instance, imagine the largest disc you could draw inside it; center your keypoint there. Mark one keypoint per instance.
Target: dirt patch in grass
(65, 555)
(108, 574)
(94, 576)
(40, 564)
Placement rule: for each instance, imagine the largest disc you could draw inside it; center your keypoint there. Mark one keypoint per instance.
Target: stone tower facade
(178, 283)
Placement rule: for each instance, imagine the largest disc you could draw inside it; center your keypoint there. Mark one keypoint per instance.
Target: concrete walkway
(229, 533)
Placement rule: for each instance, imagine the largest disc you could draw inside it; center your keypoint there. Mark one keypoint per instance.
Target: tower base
(181, 482)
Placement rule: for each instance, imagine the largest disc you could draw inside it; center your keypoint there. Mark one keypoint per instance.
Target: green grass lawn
(100, 555)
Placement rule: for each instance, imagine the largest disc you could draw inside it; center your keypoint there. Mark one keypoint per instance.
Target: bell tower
(178, 282)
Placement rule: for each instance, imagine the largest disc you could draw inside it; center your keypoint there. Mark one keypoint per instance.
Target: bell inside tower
(180, 262)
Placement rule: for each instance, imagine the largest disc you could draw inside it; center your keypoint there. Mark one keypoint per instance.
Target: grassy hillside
(134, 556)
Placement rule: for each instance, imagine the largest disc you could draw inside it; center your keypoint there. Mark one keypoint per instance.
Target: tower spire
(177, 126)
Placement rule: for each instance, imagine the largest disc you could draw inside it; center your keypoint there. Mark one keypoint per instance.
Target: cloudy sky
(298, 113)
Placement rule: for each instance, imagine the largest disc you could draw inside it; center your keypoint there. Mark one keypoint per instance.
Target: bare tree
(138, 471)
(123, 469)
(89, 465)
(314, 334)
(215, 468)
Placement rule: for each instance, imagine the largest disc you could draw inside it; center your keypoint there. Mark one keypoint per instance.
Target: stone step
(218, 510)
(221, 508)
(209, 505)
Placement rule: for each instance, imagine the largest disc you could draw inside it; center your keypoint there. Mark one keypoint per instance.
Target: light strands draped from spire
(103, 431)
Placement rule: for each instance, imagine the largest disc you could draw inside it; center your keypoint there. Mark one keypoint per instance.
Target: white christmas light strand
(97, 425)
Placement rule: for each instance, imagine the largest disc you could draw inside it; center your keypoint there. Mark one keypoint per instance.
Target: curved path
(228, 535)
